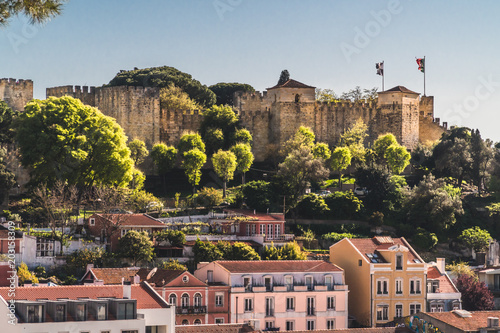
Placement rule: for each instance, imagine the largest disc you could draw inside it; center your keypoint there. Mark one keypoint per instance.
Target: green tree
(340, 160)
(174, 237)
(224, 163)
(164, 158)
(77, 261)
(312, 206)
(476, 238)
(6, 117)
(326, 95)
(242, 135)
(222, 118)
(173, 265)
(37, 11)
(7, 177)
(382, 143)
(214, 139)
(292, 251)
(482, 154)
(163, 77)
(284, 76)
(138, 151)
(206, 251)
(175, 99)
(299, 168)
(397, 158)
(137, 246)
(258, 195)
(142, 201)
(321, 150)
(343, 205)
(62, 139)
(354, 139)
(244, 158)
(138, 179)
(242, 251)
(210, 197)
(225, 91)
(190, 140)
(377, 180)
(24, 274)
(424, 240)
(271, 253)
(192, 164)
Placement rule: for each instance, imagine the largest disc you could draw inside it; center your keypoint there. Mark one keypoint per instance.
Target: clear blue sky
(327, 44)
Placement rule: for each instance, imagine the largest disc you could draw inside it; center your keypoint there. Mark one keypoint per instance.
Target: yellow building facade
(386, 278)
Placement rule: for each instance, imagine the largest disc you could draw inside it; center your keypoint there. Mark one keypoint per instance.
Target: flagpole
(383, 75)
(425, 70)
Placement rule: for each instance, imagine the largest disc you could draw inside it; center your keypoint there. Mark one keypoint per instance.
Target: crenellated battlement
(17, 82)
(16, 92)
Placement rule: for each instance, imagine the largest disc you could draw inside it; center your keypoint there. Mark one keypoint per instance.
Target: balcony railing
(191, 310)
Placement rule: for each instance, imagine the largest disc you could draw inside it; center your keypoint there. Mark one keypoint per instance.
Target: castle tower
(399, 115)
(16, 93)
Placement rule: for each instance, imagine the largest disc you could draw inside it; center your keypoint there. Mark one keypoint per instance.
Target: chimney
(90, 266)
(127, 290)
(441, 265)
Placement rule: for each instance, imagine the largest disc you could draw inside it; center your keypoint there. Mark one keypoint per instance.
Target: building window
(197, 300)
(219, 320)
(330, 302)
(399, 262)
(311, 310)
(382, 287)
(248, 304)
(185, 322)
(437, 307)
(219, 300)
(101, 312)
(210, 276)
(414, 308)
(382, 312)
(248, 229)
(60, 313)
(360, 262)
(310, 283)
(289, 283)
(185, 279)
(277, 230)
(92, 221)
(311, 325)
(247, 283)
(184, 300)
(268, 282)
(127, 331)
(269, 231)
(269, 325)
(290, 303)
(253, 229)
(44, 247)
(125, 311)
(262, 229)
(329, 282)
(197, 322)
(330, 324)
(35, 313)
(80, 312)
(415, 286)
(456, 305)
(399, 286)
(290, 325)
(172, 299)
(124, 232)
(432, 286)
(399, 310)
(149, 329)
(269, 306)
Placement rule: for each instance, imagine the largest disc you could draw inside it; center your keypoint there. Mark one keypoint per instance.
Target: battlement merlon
(17, 82)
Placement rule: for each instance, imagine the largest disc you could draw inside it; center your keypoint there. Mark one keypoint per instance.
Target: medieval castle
(272, 116)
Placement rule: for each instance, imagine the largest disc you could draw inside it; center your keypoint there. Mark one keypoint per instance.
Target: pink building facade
(284, 295)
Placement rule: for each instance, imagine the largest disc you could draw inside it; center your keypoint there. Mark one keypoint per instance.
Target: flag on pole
(421, 64)
(380, 68)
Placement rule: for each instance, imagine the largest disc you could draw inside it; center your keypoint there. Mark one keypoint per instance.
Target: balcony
(191, 310)
(279, 238)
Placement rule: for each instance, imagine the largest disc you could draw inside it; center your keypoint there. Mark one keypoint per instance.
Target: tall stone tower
(398, 114)
(16, 93)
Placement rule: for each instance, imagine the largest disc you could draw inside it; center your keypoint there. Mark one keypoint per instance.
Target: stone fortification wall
(430, 130)
(136, 109)
(173, 123)
(16, 93)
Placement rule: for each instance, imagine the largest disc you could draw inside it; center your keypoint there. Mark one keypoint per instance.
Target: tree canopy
(476, 238)
(225, 164)
(137, 246)
(37, 11)
(138, 151)
(163, 77)
(225, 91)
(63, 139)
(164, 157)
(284, 76)
(6, 117)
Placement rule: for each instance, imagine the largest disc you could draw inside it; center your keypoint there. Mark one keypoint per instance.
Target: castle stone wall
(173, 123)
(430, 131)
(16, 93)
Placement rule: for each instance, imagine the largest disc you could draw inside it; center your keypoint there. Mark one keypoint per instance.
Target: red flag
(421, 64)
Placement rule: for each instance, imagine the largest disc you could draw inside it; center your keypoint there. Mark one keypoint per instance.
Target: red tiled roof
(218, 328)
(479, 319)
(445, 284)
(4, 233)
(399, 89)
(371, 245)
(291, 84)
(114, 275)
(278, 266)
(356, 330)
(143, 220)
(161, 277)
(259, 216)
(146, 299)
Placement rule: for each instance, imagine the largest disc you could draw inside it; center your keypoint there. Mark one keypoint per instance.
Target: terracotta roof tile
(399, 89)
(479, 319)
(445, 284)
(291, 84)
(278, 266)
(4, 233)
(161, 277)
(356, 330)
(371, 245)
(219, 328)
(146, 299)
(114, 275)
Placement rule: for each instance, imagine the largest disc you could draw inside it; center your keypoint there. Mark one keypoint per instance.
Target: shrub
(312, 206)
